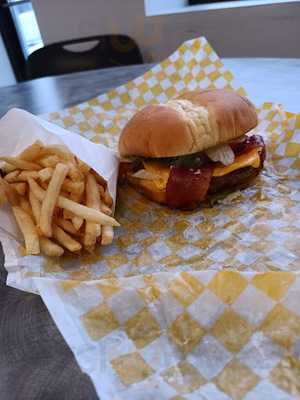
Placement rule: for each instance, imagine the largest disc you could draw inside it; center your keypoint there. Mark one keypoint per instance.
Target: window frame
(11, 39)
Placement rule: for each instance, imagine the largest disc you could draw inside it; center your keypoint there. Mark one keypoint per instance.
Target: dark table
(35, 362)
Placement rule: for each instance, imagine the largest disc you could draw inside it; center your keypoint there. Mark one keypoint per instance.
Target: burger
(193, 149)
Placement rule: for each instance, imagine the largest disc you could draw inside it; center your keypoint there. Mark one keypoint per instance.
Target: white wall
(6, 73)
(258, 31)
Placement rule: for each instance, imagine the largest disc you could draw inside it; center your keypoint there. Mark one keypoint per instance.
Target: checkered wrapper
(257, 229)
(204, 335)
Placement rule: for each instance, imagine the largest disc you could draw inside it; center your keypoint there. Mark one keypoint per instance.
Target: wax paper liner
(190, 305)
(19, 129)
(190, 335)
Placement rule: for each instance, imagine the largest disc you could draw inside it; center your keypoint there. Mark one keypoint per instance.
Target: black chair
(109, 51)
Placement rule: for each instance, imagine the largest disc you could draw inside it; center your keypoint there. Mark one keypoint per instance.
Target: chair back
(61, 58)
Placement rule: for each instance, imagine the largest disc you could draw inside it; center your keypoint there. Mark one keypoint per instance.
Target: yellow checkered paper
(256, 229)
(190, 335)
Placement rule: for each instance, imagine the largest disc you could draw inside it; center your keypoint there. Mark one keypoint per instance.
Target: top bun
(193, 122)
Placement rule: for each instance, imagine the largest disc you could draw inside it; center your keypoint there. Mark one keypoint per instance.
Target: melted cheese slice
(160, 172)
(250, 159)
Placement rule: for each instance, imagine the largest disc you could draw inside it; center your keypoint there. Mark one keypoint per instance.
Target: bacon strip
(187, 187)
(251, 142)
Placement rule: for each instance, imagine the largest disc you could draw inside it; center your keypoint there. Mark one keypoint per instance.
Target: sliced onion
(143, 174)
(222, 153)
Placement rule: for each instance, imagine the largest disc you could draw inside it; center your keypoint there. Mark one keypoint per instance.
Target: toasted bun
(192, 122)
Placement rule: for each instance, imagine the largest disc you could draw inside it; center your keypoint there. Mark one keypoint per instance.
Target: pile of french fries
(60, 203)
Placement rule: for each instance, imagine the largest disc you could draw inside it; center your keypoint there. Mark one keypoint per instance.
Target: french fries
(36, 207)
(24, 175)
(44, 185)
(50, 248)
(25, 205)
(51, 197)
(3, 198)
(49, 161)
(6, 168)
(105, 209)
(21, 164)
(66, 240)
(20, 187)
(60, 151)
(84, 168)
(101, 191)
(32, 152)
(73, 187)
(67, 226)
(9, 192)
(67, 214)
(77, 222)
(28, 229)
(45, 174)
(12, 176)
(99, 179)
(87, 213)
(108, 200)
(74, 172)
(59, 202)
(92, 230)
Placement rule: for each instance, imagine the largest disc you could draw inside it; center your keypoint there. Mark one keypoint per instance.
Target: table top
(265, 79)
(35, 362)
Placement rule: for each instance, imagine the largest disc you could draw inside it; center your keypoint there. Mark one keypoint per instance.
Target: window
(20, 33)
(26, 25)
